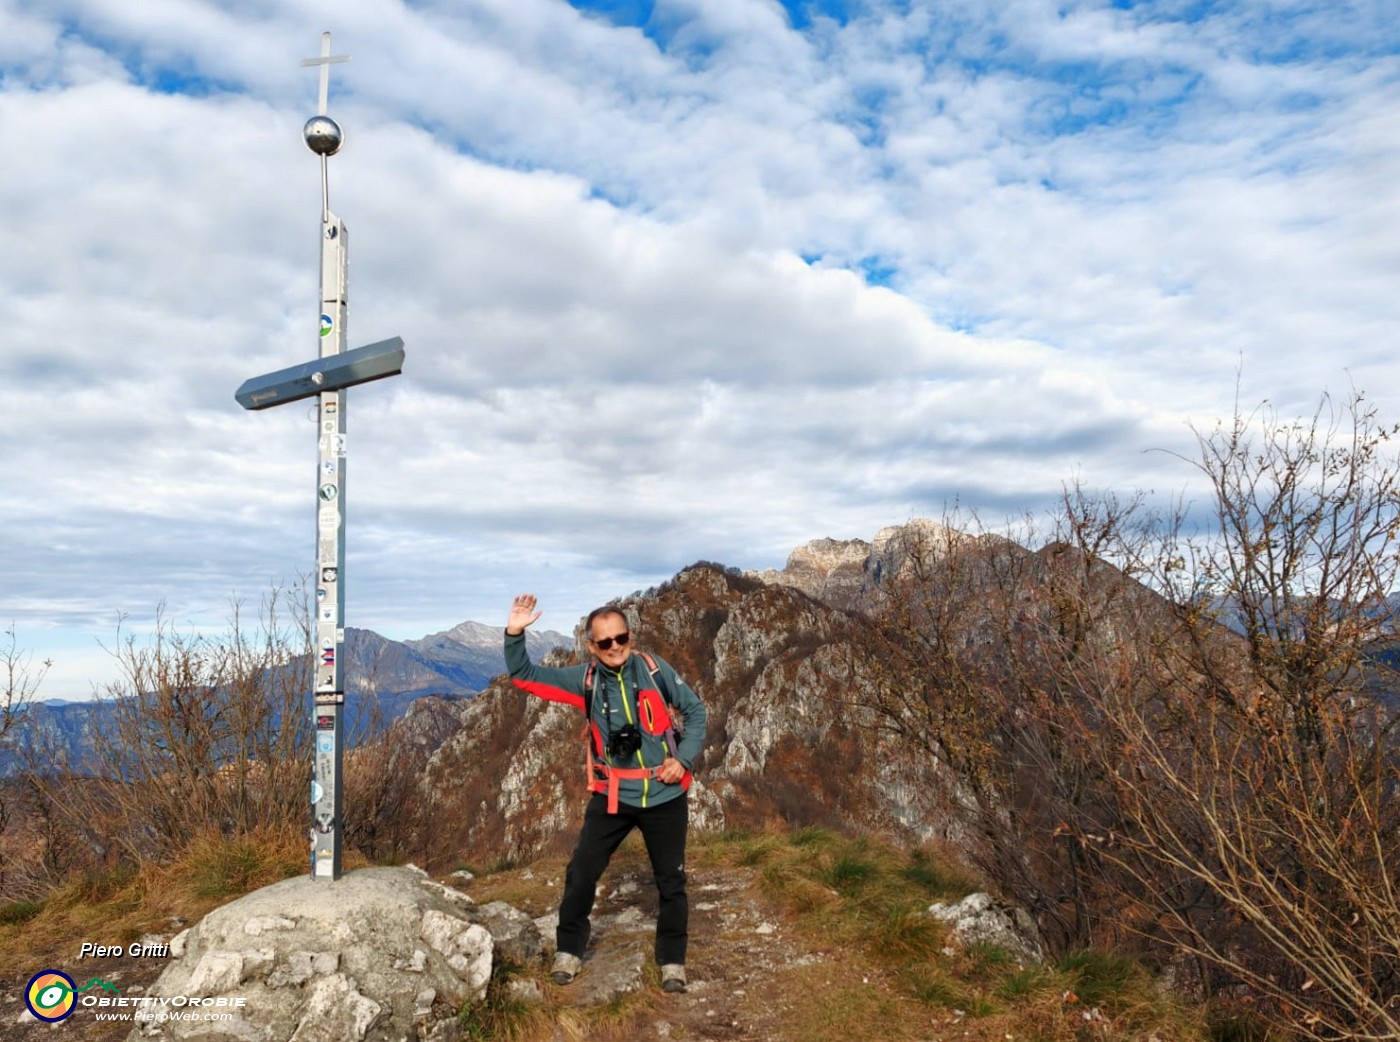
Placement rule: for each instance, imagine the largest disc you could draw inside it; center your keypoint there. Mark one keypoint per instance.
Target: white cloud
(1091, 222)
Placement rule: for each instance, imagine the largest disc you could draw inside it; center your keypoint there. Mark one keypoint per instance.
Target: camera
(624, 742)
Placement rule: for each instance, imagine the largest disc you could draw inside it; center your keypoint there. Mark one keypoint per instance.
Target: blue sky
(682, 280)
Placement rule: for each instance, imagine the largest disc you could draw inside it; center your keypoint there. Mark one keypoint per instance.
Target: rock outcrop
(830, 570)
(380, 954)
(848, 573)
(981, 919)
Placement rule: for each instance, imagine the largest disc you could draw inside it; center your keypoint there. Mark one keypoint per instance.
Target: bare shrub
(392, 817)
(203, 736)
(1183, 730)
(1256, 768)
(20, 682)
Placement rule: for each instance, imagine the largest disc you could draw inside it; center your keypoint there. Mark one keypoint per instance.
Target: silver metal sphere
(323, 135)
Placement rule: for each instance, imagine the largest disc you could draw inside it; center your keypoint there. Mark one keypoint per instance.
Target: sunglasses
(620, 640)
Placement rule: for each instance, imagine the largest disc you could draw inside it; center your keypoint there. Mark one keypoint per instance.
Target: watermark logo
(51, 995)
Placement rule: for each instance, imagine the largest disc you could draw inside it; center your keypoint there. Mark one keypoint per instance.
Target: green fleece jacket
(626, 696)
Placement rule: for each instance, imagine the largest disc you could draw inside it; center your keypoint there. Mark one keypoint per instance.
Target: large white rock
(343, 961)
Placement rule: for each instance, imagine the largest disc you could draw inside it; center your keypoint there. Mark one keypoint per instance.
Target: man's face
(606, 631)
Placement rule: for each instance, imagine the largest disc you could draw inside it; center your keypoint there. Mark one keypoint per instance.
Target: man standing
(645, 729)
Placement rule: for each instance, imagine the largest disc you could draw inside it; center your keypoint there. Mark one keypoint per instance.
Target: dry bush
(20, 680)
(203, 736)
(124, 903)
(1255, 766)
(1180, 729)
(977, 655)
(390, 817)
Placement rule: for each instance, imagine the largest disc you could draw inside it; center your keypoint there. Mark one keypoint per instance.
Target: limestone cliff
(847, 573)
(830, 570)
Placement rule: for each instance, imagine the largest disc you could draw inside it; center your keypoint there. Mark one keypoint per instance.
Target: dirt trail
(742, 958)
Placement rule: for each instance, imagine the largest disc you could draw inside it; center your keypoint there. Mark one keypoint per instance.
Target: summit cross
(326, 379)
(325, 61)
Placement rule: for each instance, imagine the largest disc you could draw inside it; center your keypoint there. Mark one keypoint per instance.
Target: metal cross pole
(327, 377)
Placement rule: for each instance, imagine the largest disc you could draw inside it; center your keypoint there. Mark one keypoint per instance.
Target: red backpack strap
(658, 677)
(674, 725)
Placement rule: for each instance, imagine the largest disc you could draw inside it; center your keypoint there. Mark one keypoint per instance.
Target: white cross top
(325, 62)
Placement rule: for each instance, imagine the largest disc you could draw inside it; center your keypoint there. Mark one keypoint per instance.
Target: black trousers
(664, 829)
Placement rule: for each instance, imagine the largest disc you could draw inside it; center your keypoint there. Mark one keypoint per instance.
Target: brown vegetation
(1176, 730)
(20, 680)
(798, 936)
(205, 736)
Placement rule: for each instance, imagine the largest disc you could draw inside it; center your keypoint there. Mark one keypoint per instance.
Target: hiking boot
(565, 968)
(673, 978)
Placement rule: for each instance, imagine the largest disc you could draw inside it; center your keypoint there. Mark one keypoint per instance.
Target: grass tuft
(1103, 978)
(937, 877)
(813, 836)
(987, 963)
(92, 887)
(220, 868)
(503, 1016)
(1224, 1024)
(907, 935)
(12, 913)
(1024, 983)
(850, 872)
(217, 868)
(935, 986)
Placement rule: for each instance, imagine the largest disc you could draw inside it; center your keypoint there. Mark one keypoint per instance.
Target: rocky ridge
(776, 668)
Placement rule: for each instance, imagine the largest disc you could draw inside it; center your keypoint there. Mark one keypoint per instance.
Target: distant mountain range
(455, 664)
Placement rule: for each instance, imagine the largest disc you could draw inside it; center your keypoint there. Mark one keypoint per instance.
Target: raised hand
(522, 613)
